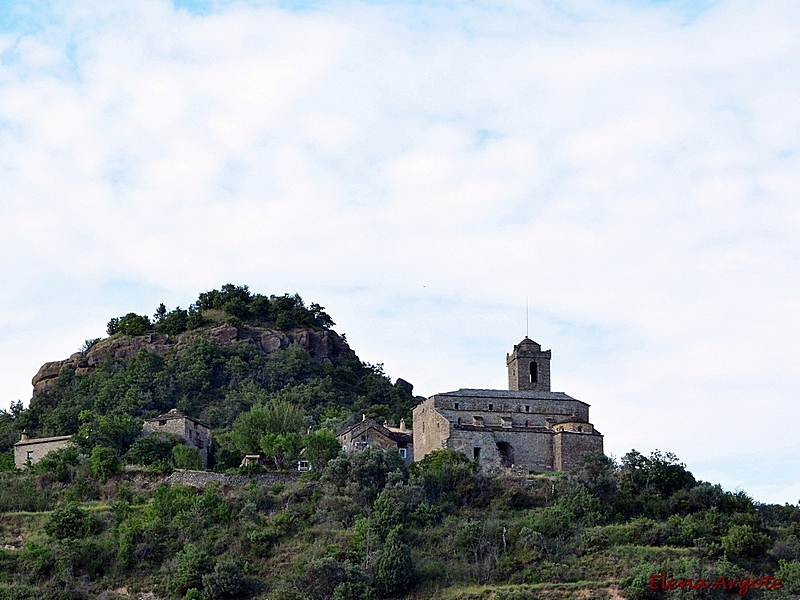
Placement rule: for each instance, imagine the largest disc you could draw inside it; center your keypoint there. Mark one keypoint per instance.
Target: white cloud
(420, 170)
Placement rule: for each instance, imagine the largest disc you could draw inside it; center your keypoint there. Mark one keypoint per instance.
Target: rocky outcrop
(323, 345)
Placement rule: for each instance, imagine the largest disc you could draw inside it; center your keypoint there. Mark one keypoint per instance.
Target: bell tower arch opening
(528, 367)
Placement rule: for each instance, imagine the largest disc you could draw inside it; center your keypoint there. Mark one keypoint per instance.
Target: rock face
(323, 345)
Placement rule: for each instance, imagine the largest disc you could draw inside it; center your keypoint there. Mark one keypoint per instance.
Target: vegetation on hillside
(216, 384)
(363, 526)
(98, 521)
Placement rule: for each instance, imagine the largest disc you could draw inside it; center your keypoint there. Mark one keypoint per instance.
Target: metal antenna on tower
(526, 316)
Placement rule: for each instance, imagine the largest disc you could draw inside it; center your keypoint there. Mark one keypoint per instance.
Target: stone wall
(531, 450)
(201, 479)
(522, 412)
(568, 447)
(431, 429)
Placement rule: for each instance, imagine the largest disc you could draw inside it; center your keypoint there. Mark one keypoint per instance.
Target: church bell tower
(528, 367)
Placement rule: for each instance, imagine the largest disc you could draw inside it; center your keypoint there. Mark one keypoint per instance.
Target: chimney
(402, 424)
(23, 437)
(385, 423)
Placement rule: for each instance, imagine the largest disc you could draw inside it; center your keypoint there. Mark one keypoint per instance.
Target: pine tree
(395, 571)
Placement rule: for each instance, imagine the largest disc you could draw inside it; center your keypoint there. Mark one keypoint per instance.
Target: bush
(132, 324)
(187, 457)
(151, 449)
(105, 463)
(61, 464)
(186, 570)
(227, 580)
(741, 541)
(353, 591)
(70, 522)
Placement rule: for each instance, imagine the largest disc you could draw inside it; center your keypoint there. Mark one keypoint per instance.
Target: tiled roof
(511, 395)
(56, 438)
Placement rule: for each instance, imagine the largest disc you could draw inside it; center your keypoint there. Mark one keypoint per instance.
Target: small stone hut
(191, 431)
(29, 451)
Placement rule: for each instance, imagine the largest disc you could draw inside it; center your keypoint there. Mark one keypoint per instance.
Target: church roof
(511, 394)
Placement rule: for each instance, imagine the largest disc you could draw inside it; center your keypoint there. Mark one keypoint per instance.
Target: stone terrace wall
(201, 479)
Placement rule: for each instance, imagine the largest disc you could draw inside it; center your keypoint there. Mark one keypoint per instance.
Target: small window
(534, 373)
(344, 448)
(30, 454)
(459, 420)
(403, 452)
(455, 405)
(162, 423)
(491, 406)
(580, 429)
(526, 422)
(527, 409)
(476, 453)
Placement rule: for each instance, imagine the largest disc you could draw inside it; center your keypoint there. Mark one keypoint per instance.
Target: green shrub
(61, 464)
(151, 449)
(70, 522)
(227, 580)
(186, 570)
(105, 463)
(187, 457)
(19, 492)
(353, 591)
(742, 541)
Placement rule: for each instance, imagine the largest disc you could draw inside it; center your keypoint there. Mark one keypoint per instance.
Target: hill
(229, 352)
(109, 519)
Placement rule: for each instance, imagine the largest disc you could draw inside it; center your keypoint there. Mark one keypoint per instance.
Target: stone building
(367, 433)
(32, 450)
(191, 431)
(527, 427)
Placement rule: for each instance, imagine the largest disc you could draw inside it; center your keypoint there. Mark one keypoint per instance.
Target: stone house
(527, 427)
(32, 450)
(368, 433)
(191, 431)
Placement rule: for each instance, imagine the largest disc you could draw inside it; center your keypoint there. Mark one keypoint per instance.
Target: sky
(420, 169)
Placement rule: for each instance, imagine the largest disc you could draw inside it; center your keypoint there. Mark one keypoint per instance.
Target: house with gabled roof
(368, 433)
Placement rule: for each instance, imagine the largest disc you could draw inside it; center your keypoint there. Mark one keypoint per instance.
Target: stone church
(527, 428)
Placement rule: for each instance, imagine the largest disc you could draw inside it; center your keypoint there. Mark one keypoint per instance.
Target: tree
(281, 449)
(160, 314)
(274, 417)
(321, 446)
(188, 568)
(394, 573)
(177, 321)
(114, 431)
(113, 326)
(104, 463)
(152, 449)
(133, 324)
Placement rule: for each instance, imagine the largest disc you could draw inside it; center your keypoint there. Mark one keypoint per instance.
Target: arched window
(534, 373)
